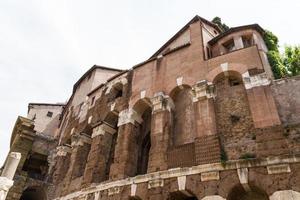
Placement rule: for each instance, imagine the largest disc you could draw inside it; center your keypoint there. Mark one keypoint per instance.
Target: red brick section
(207, 149)
(160, 136)
(182, 156)
(98, 160)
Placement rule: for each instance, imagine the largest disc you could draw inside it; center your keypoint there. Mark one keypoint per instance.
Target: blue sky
(45, 46)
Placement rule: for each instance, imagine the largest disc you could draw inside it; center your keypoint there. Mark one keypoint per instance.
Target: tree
(274, 57)
(271, 41)
(275, 60)
(218, 21)
(291, 60)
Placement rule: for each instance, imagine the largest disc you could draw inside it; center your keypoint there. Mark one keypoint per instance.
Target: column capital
(202, 90)
(162, 102)
(103, 128)
(256, 80)
(63, 150)
(129, 116)
(80, 139)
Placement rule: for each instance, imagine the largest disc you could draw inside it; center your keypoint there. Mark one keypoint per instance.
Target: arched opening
(143, 139)
(34, 193)
(184, 125)
(181, 196)
(115, 92)
(255, 193)
(234, 121)
(112, 120)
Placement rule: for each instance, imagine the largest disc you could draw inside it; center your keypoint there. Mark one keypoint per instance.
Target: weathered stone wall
(234, 122)
(286, 93)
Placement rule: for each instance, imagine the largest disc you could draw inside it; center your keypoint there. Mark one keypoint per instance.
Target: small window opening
(209, 53)
(80, 109)
(34, 117)
(247, 40)
(234, 119)
(229, 45)
(49, 114)
(234, 82)
(92, 101)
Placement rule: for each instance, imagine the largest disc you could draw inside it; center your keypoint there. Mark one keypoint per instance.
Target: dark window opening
(49, 114)
(209, 53)
(247, 40)
(234, 82)
(229, 45)
(36, 166)
(92, 101)
(34, 117)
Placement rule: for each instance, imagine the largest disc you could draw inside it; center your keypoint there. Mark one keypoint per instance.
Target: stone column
(99, 158)
(126, 150)
(207, 145)
(80, 148)
(62, 157)
(6, 179)
(160, 132)
(261, 102)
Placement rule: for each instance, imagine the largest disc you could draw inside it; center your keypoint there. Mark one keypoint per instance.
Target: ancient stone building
(202, 118)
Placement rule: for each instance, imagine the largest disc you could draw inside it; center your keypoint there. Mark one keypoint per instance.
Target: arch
(235, 67)
(144, 138)
(233, 115)
(177, 89)
(180, 195)
(141, 105)
(34, 193)
(239, 193)
(143, 108)
(112, 120)
(115, 90)
(184, 130)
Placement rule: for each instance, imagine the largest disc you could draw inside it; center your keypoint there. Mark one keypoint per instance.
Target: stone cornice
(179, 172)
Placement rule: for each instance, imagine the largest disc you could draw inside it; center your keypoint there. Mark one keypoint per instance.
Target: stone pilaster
(126, 150)
(62, 158)
(207, 145)
(7, 175)
(160, 132)
(261, 101)
(80, 148)
(203, 98)
(5, 185)
(100, 155)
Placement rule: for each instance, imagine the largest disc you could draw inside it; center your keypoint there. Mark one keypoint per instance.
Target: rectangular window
(92, 101)
(49, 114)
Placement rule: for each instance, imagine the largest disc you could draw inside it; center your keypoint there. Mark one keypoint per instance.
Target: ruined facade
(200, 119)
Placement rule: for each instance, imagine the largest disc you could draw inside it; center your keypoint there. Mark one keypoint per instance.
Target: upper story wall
(46, 117)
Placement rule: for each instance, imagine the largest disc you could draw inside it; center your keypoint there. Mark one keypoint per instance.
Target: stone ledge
(177, 172)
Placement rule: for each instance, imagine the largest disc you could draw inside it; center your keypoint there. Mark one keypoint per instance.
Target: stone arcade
(202, 118)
